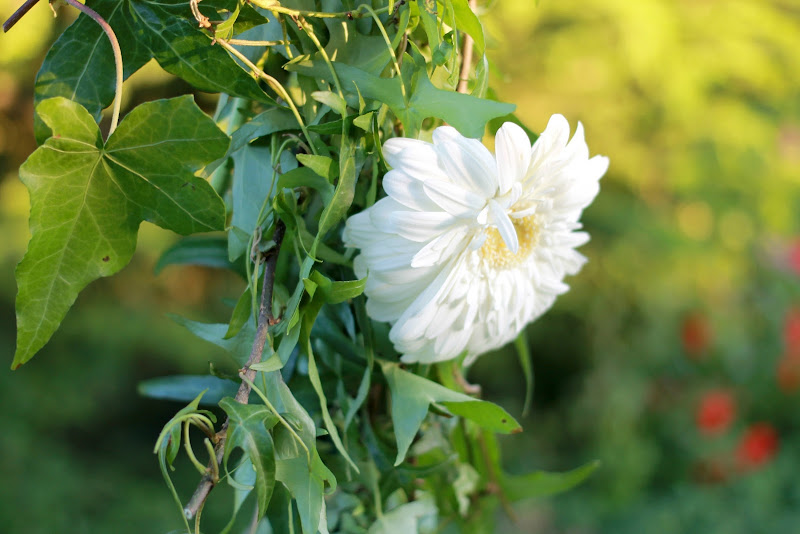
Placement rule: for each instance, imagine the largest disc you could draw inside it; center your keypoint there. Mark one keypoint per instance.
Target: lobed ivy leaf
(89, 197)
(80, 64)
(412, 395)
(248, 429)
(183, 49)
(424, 99)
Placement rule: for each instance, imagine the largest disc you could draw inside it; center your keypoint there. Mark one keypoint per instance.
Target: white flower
(468, 248)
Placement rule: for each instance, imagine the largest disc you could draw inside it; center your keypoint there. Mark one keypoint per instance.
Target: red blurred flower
(716, 412)
(758, 446)
(791, 331)
(794, 256)
(696, 334)
(788, 373)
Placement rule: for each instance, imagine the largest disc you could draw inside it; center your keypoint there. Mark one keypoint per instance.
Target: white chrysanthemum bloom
(468, 248)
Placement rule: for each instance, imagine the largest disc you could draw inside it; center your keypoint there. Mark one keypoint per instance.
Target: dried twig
(265, 319)
(18, 14)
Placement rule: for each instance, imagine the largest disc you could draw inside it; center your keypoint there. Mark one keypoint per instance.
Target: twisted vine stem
(112, 37)
(265, 320)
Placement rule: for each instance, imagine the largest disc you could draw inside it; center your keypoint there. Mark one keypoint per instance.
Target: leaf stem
(388, 42)
(311, 35)
(117, 58)
(283, 421)
(353, 14)
(265, 319)
(276, 86)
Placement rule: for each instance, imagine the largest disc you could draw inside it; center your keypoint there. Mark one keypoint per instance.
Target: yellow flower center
(495, 252)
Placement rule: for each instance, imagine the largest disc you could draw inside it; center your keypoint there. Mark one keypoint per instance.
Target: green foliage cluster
(324, 431)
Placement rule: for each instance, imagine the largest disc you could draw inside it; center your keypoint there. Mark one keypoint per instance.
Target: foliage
(324, 431)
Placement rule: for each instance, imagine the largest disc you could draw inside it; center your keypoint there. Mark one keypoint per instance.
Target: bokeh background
(674, 359)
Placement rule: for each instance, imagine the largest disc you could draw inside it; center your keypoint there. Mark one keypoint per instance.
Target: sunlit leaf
(182, 49)
(89, 197)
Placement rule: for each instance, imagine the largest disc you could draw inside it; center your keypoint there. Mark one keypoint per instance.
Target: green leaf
(311, 311)
(183, 49)
(425, 100)
(238, 347)
(412, 395)
(169, 442)
(241, 314)
(542, 484)
(344, 192)
(332, 100)
(265, 123)
(339, 291)
(496, 123)
(187, 387)
(306, 177)
(430, 101)
(205, 250)
(322, 165)
(405, 518)
(88, 199)
(248, 428)
(333, 127)
(253, 184)
(467, 21)
(80, 64)
(307, 486)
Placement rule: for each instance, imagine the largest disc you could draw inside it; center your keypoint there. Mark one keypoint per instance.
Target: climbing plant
(334, 422)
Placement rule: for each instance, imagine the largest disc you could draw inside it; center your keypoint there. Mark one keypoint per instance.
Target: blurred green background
(674, 359)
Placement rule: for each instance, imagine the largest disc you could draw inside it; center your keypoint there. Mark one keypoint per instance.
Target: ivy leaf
(426, 100)
(89, 197)
(183, 49)
(412, 395)
(248, 428)
(80, 64)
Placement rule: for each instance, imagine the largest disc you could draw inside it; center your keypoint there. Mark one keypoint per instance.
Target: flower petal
(408, 191)
(504, 225)
(454, 199)
(513, 152)
(467, 162)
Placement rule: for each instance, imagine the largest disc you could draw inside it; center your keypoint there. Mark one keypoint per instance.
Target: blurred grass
(696, 102)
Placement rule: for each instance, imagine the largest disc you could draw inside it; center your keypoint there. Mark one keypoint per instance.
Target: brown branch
(466, 57)
(18, 14)
(265, 319)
